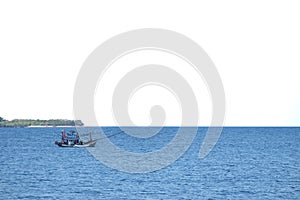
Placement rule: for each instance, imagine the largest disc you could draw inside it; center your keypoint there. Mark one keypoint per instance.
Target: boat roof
(71, 136)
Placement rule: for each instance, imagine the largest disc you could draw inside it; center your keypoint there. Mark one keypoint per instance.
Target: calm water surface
(246, 163)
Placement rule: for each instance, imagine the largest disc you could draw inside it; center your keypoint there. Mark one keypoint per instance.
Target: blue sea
(246, 163)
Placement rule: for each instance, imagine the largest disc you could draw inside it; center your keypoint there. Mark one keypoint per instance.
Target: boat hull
(87, 144)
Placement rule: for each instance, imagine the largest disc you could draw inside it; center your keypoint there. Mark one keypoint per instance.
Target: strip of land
(39, 123)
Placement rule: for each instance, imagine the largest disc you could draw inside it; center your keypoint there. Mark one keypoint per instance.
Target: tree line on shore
(38, 122)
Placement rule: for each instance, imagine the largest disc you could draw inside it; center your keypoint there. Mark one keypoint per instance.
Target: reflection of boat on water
(72, 139)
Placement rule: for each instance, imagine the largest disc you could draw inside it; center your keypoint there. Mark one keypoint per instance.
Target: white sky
(255, 46)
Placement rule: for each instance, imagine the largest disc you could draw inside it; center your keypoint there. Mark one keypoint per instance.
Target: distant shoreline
(33, 127)
(31, 123)
(50, 126)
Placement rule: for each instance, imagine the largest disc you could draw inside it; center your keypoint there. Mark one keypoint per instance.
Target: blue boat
(72, 139)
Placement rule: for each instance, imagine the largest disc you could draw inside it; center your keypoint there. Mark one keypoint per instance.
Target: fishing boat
(72, 139)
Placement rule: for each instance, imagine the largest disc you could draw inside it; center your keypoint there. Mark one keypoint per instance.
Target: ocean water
(246, 163)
